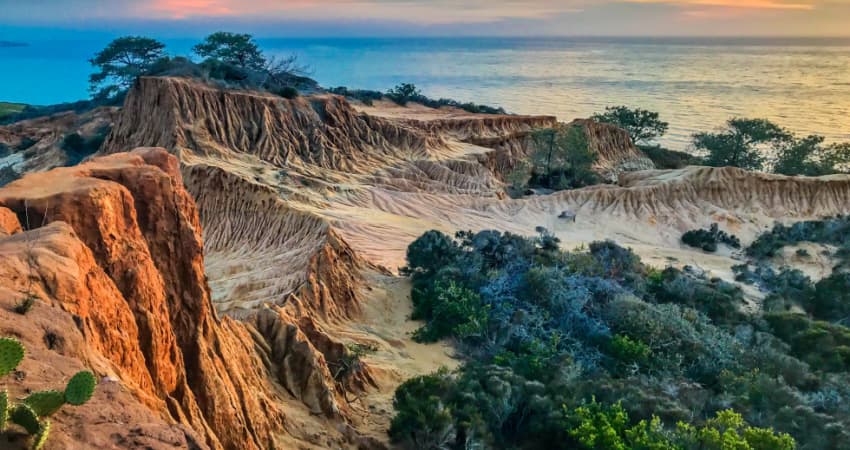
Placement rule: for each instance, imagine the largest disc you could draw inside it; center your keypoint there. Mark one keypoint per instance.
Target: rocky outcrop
(36, 144)
(324, 131)
(133, 281)
(616, 151)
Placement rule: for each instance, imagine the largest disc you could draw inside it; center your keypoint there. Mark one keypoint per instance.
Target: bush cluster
(593, 349)
(710, 238)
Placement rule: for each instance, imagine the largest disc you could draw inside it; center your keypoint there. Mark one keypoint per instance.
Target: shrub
(77, 147)
(822, 345)
(423, 420)
(366, 97)
(457, 312)
(597, 427)
(629, 351)
(669, 159)
(831, 298)
(708, 239)
(431, 252)
(8, 174)
(288, 92)
(728, 430)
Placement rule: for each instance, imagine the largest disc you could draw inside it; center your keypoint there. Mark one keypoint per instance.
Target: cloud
(447, 17)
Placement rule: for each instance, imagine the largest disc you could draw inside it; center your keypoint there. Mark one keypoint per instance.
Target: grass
(7, 109)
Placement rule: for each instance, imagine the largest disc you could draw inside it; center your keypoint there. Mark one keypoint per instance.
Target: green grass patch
(7, 109)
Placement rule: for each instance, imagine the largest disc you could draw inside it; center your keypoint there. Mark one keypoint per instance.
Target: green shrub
(728, 430)
(669, 159)
(423, 420)
(597, 427)
(629, 351)
(708, 239)
(456, 312)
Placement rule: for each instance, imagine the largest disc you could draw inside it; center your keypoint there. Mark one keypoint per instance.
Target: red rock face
(143, 303)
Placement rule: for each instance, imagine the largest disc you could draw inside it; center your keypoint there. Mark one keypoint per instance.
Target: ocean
(696, 84)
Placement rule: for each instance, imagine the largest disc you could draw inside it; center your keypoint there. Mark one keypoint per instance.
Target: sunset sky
(441, 17)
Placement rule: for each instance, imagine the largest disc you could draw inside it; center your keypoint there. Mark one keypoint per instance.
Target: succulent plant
(80, 388)
(4, 409)
(41, 437)
(24, 416)
(45, 403)
(11, 354)
(31, 412)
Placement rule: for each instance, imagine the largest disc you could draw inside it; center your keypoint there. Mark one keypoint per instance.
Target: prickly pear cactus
(4, 409)
(41, 437)
(11, 354)
(45, 403)
(24, 416)
(80, 388)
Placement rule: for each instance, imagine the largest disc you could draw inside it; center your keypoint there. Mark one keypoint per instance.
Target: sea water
(695, 83)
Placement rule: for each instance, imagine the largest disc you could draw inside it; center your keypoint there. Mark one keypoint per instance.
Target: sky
(435, 17)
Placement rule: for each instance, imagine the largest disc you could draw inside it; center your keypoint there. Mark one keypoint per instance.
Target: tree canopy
(743, 143)
(562, 158)
(643, 126)
(239, 50)
(809, 156)
(121, 62)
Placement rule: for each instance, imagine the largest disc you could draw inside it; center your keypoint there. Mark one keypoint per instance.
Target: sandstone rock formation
(36, 144)
(113, 249)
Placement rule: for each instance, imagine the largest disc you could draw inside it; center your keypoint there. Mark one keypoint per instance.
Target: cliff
(112, 249)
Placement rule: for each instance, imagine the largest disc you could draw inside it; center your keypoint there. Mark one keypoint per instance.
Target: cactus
(80, 388)
(11, 354)
(45, 403)
(38, 404)
(24, 416)
(4, 409)
(41, 437)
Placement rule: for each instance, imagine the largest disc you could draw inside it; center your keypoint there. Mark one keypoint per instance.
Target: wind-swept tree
(808, 156)
(238, 50)
(121, 63)
(743, 143)
(643, 126)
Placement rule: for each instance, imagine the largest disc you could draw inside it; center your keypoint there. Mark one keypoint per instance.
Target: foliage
(32, 412)
(664, 158)
(562, 158)
(9, 109)
(422, 420)
(831, 231)
(405, 93)
(820, 344)
(708, 239)
(727, 431)
(598, 427)
(364, 96)
(121, 63)
(629, 351)
(455, 311)
(643, 126)
(235, 49)
(544, 332)
(8, 174)
(741, 143)
(808, 156)
(78, 147)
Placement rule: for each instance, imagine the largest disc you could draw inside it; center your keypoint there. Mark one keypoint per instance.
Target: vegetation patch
(591, 349)
(709, 239)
